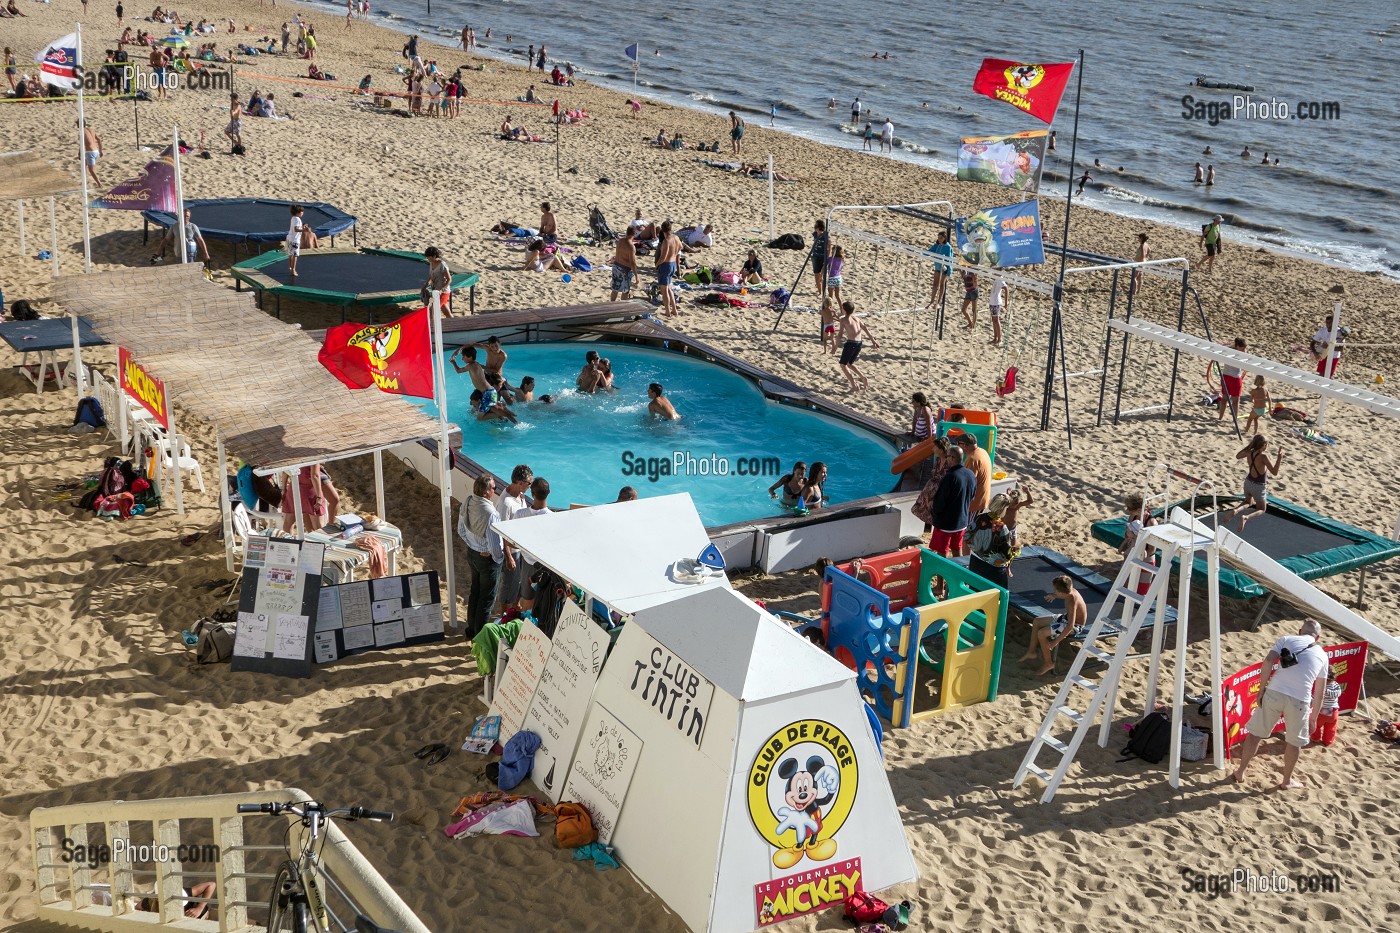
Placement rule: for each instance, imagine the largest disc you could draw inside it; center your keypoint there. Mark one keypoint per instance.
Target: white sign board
(665, 684)
(602, 770)
(512, 699)
(562, 695)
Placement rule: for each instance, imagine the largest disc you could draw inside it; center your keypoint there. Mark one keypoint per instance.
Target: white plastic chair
(159, 442)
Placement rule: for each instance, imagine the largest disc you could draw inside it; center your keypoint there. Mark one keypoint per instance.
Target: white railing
(98, 893)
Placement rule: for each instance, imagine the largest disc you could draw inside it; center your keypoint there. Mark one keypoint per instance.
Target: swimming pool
(730, 444)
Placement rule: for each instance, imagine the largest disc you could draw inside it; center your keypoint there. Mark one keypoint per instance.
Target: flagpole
(180, 201)
(82, 159)
(1057, 337)
(444, 456)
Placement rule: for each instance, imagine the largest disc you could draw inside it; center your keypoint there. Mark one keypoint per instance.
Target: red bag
(865, 908)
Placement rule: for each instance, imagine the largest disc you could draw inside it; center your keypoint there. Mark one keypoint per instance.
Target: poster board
(383, 613)
(561, 697)
(1240, 691)
(277, 606)
(602, 770)
(516, 687)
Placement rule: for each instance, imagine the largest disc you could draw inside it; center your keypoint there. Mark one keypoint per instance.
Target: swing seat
(1008, 384)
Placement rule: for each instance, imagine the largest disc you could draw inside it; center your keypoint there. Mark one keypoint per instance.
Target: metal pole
(772, 217)
(180, 202)
(444, 460)
(53, 233)
(82, 161)
(1176, 355)
(1328, 367)
(23, 252)
(1107, 343)
(1056, 312)
(226, 507)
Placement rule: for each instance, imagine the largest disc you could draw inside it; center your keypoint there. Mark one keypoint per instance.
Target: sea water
(730, 444)
(1331, 197)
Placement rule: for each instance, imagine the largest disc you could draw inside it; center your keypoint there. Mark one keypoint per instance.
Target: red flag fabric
(1035, 89)
(396, 357)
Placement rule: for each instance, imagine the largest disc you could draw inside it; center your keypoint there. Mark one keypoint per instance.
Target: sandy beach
(101, 700)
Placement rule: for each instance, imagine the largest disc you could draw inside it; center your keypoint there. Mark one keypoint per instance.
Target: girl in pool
(792, 485)
(605, 375)
(812, 496)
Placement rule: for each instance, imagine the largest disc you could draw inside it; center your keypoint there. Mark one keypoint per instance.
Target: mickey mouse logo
(1024, 77)
(801, 789)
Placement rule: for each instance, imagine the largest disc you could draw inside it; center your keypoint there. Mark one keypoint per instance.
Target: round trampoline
(254, 220)
(345, 277)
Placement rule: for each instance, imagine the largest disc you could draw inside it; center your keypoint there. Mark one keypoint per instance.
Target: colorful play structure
(980, 424)
(881, 618)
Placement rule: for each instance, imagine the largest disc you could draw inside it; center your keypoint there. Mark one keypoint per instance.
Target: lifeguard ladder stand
(1176, 539)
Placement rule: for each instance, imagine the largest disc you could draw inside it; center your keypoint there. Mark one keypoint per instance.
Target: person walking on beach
(466, 38)
(1321, 341)
(549, 225)
(1143, 252)
(996, 305)
(773, 114)
(736, 133)
(120, 14)
(970, 296)
(869, 137)
(1292, 691)
(834, 266)
(1259, 404)
(624, 268)
(887, 136)
(1211, 241)
(234, 130)
(853, 331)
(668, 251)
(820, 245)
(530, 58)
(92, 151)
(286, 37)
(541, 59)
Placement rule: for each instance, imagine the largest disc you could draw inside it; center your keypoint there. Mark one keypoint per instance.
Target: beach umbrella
(175, 41)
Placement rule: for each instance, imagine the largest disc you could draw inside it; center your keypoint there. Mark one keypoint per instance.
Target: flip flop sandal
(432, 754)
(904, 908)
(189, 539)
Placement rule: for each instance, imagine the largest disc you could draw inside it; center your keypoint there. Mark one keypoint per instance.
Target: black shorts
(1212, 249)
(849, 351)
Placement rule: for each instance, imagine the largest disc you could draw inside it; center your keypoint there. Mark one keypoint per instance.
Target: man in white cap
(1211, 240)
(1292, 692)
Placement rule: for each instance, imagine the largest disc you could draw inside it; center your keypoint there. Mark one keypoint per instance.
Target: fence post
(229, 873)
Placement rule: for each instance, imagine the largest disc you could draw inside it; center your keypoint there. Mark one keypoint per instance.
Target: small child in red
(1326, 732)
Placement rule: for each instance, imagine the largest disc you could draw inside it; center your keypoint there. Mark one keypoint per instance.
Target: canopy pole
(180, 201)
(295, 473)
(172, 439)
(1328, 366)
(23, 252)
(379, 483)
(53, 234)
(82, 160)
(225, 506)
(444, 458)
(772, 218)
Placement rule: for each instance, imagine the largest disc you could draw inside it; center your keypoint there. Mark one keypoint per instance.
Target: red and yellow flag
(396, 357)
(1034, 89)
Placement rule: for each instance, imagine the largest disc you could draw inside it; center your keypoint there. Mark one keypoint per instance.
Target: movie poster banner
(1002, 237)
(1014, 161)
(1241, 689)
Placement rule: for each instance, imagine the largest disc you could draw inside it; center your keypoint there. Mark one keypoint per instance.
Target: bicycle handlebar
(349, 813)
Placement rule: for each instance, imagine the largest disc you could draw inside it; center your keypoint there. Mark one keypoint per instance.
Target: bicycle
(297, 904)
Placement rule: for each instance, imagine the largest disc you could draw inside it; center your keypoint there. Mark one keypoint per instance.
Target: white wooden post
(772, 217)
(119, 871)
(379, 485)
(172, 440)
(444, 461)
(168, 881)
(53, 234)
(80, 874)
(225, 504)
(229, 873)
(296, 498)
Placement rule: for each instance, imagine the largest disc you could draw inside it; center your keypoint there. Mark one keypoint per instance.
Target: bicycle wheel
(280, 914)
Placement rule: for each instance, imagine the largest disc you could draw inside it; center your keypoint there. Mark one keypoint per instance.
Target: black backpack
(598, 225)
(788, 241)
(1150, 739)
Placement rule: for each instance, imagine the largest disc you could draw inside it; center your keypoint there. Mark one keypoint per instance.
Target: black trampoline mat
(266, 221)
(1031, 577)
(1281, 535)
(352, 273)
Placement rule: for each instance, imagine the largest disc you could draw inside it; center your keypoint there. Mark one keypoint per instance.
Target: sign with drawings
(666, 684)
(607, 755)
(562, 695)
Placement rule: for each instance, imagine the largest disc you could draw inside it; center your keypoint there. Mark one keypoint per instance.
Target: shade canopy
(25, 175)
(256, 379)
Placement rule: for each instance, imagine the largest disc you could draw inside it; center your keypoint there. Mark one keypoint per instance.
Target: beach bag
(729, 278)
(863, 907)
(582, 264)
(1194, 742)
(779, 298)
(215, 641)
(573, 826)
(598, 225)
(788, 241)
(22, 310)
(1150, 739)
(90, 412)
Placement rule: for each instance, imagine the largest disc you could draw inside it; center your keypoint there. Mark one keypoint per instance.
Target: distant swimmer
(1276, 161)
(925, 105)
(1210, 175)
(1265, 160)
(1098, 164)
(1206, 151)
(1084, 180)
(660, 405)
(1052, 139)
(1200, 174)
(831, 103)
(1246, 154)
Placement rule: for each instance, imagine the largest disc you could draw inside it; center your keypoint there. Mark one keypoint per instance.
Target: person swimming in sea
(792, 486)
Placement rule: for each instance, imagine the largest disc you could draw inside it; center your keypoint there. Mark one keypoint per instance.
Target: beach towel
(515, 818)
(517, 759)
(485, 644)
(378, 557)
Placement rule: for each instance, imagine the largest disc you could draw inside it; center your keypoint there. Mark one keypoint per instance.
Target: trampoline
(1308, 544)
(253, 220)
(1031, 574)
(346, 277)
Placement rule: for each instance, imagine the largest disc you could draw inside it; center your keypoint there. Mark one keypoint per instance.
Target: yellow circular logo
(801, 788)
(1024, 77)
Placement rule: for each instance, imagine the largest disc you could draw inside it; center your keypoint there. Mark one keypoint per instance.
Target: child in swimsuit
(1256, 492)
(1047, 636)
(1259, 404)
(829, 325)
(792, 486)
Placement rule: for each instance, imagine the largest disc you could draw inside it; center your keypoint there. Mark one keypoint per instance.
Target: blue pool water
(589, 446)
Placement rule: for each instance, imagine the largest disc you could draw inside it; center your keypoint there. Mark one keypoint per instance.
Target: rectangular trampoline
(1031, 574)
(1308, 544)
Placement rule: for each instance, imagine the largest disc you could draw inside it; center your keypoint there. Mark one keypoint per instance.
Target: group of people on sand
(493, 396)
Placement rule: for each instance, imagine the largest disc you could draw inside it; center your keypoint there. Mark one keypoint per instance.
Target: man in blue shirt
(951, 502)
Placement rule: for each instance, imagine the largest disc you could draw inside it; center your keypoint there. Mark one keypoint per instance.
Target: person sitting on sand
(1047, 636)
(660, 405)
(538, 259)
(1256, 480)
(792, 485)
(751, 272)
(492, 406)
(1292, 691)
(677, 141)
(661, 139)
(696, 237)
(509, 131)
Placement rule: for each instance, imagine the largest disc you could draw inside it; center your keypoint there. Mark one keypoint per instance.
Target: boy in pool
(1259, 404)
(792, 486)
(660, 405)
(492, 407)
(495, 356)
(526, 392)
(1047, 636)
(587, 379)
(463, 359)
